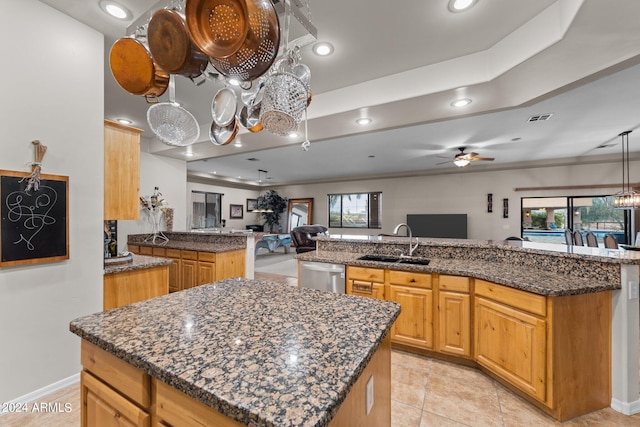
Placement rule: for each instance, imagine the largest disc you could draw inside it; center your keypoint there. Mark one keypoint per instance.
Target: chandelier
(627, 198)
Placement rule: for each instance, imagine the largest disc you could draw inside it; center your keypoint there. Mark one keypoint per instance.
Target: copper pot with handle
(135, 71)
(171, 45)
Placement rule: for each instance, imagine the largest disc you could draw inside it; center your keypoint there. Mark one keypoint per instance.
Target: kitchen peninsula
(553, 323)
(239, 352)
(199, 257)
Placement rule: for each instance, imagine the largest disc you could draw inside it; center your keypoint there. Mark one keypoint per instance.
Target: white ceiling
(402, 64)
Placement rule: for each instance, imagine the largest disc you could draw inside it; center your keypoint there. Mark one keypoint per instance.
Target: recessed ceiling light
(115, 9)
(237, 144)
(234, 82)
(461, 102)
(293, 135)
(363, 121)
(124, 121)
(322, 49)
(189, 153)
(460, 5)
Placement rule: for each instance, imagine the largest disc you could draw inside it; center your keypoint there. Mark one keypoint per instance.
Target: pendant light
(627, 198)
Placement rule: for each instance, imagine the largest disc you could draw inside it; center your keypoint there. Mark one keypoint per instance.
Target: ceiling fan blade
(472, 154)
(473, 159)
(442, 163)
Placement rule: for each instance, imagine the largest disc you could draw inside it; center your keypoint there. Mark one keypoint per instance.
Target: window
(207, 209)
(355, 210)
(544, 219)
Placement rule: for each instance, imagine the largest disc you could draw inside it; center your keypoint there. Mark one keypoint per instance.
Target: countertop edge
(139, 262)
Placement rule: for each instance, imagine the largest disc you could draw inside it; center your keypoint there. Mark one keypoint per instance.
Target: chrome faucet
(411, 247)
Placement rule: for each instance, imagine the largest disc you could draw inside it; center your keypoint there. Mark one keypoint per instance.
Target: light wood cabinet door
(189, 273)
(512, 344)
(454, 318)
(365, 289)
(206, 272)
(414, 326)
(104, 407)
(121, 171)
(175, 275)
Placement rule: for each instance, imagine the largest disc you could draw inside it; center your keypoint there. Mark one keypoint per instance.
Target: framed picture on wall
(252, 205)
(235, 211)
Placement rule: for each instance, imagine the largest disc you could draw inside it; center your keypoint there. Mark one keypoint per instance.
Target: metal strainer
(171, 123)
(260, 46)
(285, 98)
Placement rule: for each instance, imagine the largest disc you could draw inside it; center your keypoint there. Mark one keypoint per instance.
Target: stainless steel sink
(395, 259)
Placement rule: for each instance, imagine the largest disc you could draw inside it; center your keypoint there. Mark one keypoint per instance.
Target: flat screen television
(453, 226)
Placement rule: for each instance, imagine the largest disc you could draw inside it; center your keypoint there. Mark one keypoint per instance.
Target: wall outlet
(369, 394)
(633, 289)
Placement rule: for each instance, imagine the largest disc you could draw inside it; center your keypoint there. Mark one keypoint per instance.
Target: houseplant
(271, 205)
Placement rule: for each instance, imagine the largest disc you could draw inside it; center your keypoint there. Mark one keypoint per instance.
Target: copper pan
(171, 45)
(260, 47)
(218, 27)
(135, 71)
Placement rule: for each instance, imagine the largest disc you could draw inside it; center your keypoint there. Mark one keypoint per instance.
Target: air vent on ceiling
(253, 159)
(540, 117)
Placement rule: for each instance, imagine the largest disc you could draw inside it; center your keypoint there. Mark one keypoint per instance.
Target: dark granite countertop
(138, 262)
(530, 279)
(262, 353)
(194, 241)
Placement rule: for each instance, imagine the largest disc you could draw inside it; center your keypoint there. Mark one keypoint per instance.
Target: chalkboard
(452, 226)
(34, 225)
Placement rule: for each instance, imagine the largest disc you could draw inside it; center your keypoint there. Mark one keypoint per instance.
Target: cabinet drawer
(365, 289)
(454, 283)
(410, 278)
(103, 406)
(126, 379)
(133, 248)
(189, 255)
(146, 250)
(162, 252)
(366, 274)
(207, 256)
(173, 253)
(178, 409)
(526, 301)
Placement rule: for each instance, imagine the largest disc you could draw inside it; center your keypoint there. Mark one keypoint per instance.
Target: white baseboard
(43, 392)
(626, 408)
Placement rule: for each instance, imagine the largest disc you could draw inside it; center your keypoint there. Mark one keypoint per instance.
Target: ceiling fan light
(461, 162)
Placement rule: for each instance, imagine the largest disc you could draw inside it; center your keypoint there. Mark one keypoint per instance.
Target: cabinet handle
(362, 287)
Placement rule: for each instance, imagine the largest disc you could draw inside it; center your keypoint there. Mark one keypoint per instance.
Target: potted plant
(271, 205)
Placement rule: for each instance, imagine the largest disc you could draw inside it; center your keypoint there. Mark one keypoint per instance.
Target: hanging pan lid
(134, 69)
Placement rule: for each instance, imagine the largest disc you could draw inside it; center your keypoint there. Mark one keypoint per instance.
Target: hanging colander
(171, 123)
(285, 98)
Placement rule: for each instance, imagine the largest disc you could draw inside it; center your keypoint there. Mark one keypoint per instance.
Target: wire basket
(173, 124)
(284, 101)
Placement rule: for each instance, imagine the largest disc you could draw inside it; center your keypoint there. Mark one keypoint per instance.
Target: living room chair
(303, 237)
(592, 240)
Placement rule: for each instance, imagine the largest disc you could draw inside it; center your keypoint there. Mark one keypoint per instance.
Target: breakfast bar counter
(241, 352)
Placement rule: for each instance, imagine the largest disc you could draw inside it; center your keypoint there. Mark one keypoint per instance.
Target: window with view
(206, 209)
(355, 210)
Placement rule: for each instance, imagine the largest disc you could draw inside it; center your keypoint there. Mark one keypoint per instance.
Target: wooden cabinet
(193, 268)
(413, 292)
(365, 282)
(112, 392)
(121, 171)
(414, 326)
(454, 316)
(132, 286)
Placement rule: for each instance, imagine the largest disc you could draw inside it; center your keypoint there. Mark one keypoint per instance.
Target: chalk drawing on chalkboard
(34, 225)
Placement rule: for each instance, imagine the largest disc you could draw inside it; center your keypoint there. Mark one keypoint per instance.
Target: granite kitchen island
(239, 352)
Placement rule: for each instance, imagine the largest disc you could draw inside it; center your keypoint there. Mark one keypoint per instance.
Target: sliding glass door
(544, 219)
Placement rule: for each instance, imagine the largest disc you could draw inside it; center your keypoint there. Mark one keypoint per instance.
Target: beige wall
(52, 91)
(463, 192)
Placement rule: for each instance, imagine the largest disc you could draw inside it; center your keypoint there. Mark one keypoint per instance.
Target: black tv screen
(453, 226)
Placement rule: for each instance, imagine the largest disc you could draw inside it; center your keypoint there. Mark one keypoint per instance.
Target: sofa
(303, 237)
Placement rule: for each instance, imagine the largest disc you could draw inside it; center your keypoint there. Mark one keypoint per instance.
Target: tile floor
(425, 392)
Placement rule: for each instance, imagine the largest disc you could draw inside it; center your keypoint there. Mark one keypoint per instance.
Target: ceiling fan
(462, 159)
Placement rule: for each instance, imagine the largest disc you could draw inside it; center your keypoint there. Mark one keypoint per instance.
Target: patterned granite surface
(533, 279)
(261, 353)
(138, 262)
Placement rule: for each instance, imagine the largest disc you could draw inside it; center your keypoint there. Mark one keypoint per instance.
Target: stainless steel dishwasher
(322, 276)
